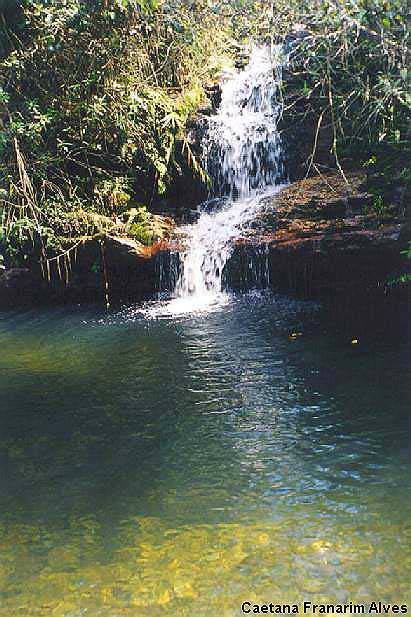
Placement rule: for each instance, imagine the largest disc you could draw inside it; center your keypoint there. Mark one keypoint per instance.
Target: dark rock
(196, 129)
(213, 92)
(297, 34)
(21, 286)
(313, 238)
(129, 269)
(188, 216)
(212, 205)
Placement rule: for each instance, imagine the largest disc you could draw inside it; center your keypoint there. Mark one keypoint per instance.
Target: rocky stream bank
(319, 236)
(322, 235)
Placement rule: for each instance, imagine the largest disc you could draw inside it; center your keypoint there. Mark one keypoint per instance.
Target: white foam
(244, 156)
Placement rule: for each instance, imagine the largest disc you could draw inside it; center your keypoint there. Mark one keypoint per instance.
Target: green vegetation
(350, 74)
(95, 99)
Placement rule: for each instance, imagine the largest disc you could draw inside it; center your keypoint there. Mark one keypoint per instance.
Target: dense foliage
(351, 69)
(95, 98)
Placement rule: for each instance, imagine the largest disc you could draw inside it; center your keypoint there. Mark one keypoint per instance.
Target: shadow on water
(178, 465)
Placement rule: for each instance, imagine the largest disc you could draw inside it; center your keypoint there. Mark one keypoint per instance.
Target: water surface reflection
(179, 466)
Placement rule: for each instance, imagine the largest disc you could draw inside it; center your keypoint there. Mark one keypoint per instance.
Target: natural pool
(181, 466)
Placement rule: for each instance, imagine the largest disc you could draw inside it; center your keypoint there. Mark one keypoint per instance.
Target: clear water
(180, 466)
(243, 154)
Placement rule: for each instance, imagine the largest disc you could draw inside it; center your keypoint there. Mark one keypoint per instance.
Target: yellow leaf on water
(174, 564)
(164, 598)
(263, 538)
(106, 593)
(320, 545)
(184, 590)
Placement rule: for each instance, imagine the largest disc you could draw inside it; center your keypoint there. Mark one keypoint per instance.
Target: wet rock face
(316, 237)
(213, 92)
(131, 272)
(319, 236)
(188, 189)
(19, 286)
(213, 205)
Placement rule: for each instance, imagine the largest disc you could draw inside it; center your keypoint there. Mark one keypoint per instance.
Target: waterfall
(243, 155)
(242, 149)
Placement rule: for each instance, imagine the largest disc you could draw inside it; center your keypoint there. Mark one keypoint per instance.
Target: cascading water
(243, 155)
(242, 149)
